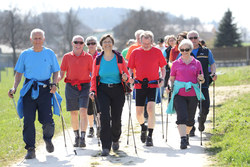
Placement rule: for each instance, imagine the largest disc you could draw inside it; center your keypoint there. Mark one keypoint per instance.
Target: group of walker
(103, 78)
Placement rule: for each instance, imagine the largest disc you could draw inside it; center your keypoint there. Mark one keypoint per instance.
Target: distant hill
(102, 18)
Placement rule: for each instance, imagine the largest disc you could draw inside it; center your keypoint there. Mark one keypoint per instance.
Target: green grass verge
(230, 76)
(11, 142)
(230, 141)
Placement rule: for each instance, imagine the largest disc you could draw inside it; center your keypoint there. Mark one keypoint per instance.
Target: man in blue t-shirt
(205, 56)
(37, 64)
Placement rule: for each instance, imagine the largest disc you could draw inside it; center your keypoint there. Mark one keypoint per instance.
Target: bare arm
(131, 80)
(163, 72)
(213, 71)
(55, 79)
(18, 78)
(61, 76)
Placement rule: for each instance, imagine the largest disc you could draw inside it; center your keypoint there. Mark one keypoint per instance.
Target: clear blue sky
(206, 11)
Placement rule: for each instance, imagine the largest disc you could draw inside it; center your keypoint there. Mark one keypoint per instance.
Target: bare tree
(143, 19)
(13, 31)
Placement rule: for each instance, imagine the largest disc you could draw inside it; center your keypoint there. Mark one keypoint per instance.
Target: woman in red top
(175, 51)
(107, 83)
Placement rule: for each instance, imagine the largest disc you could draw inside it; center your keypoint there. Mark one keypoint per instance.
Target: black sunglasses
(193, 38)
(91, 43)
(186, 50)
(78, 42)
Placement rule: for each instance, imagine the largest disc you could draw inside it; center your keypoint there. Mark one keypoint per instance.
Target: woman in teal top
(109, 73)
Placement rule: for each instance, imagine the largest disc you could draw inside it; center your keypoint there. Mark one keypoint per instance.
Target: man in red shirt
(78, 66)
(146, 60)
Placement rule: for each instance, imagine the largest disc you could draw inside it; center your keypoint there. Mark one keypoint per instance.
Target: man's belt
(144, 83)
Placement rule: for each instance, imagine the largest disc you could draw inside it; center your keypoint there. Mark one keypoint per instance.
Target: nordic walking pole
(213, 104)
(169, 98)
(65, 143)
(129, 102)
(16, 111)
(129, 117)
(64, 122)
(94, 102)
(162, 114)
(129, 99)
(200, 107)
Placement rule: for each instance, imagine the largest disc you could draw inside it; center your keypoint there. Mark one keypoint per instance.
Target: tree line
(61, 27)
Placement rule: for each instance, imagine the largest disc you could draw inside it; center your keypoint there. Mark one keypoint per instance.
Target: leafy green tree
(227, 34)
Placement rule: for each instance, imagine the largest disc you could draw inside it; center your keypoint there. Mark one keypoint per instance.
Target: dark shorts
(76, 99)
(142, 94)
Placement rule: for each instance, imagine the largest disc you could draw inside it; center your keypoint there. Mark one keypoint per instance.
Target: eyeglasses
(91, 43)
(186, 50)
(78, 42)
(193, 38)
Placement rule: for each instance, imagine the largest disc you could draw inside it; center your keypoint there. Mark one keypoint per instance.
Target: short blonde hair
(171, 37)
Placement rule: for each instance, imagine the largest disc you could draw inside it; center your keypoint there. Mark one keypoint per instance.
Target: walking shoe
(183, 142)
(149, 141)
(105, 152)
(30, 153)
(115, 146)
(201, 120)
(91, 132)
(187, 139)
(191, 134)
(98, 131)
(144, 134)
(49, 146)
(82, 142)
(77, 141)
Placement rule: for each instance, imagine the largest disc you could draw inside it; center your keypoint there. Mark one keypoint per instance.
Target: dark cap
(160, 40)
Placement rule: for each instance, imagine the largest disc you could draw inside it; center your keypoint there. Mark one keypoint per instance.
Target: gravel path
(161, 154)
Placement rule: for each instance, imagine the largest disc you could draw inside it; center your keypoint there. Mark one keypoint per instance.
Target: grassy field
(230, 141)
(233, 76)
(11, 142)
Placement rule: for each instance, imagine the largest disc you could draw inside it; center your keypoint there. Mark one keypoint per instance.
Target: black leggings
(111, 101)
(185, 107)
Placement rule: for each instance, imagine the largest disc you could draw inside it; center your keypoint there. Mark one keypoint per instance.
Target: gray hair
(147, 34)
(192, 32)
(186, 42)
(138, 33)
(77, 36)
(91, 38)
(37, 30)
(130, 42)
